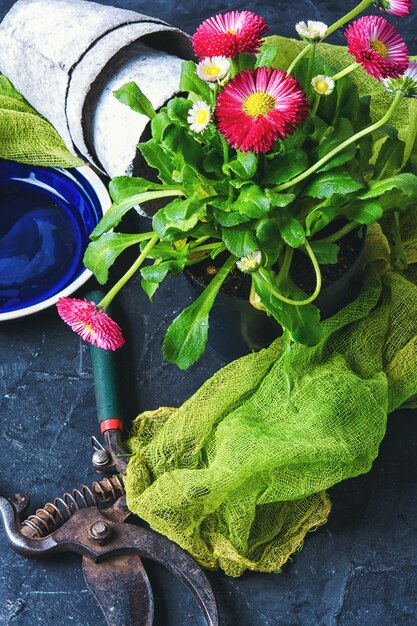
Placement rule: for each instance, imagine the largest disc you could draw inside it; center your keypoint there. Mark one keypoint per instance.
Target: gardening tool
(91, 521)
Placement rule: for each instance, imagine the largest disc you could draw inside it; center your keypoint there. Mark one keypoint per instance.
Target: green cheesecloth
(232, 475)
(236, 478)
(27, 137)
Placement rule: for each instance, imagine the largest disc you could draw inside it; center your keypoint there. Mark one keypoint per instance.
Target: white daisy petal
(213, 69)
(199, 116)
(251, 262)
(312, 31)
(323, 85)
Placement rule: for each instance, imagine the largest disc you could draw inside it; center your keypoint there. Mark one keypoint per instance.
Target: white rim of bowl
(105, 203)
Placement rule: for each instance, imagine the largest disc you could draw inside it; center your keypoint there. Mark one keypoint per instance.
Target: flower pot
(84, 51)
(236, 328)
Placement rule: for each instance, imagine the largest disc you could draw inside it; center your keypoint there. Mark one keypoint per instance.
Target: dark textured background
(359, 569)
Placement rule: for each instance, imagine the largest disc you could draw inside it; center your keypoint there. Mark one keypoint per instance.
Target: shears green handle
(105, 382)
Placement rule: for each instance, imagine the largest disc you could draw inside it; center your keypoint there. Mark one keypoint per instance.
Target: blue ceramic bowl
(46, 216)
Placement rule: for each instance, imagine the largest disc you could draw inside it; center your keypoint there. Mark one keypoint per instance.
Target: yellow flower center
(231, 32)
(379, 47)
(321, 86)
(259, 103)
(214, 70)
(249, 263)
(202, 116)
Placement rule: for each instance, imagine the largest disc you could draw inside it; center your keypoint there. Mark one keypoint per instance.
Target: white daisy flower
(199, 116)
(312, 31)
(406, 83)
(251, 262)
(213, 69)
(323, 85)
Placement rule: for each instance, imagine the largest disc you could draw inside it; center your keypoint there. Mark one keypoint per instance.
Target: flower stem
(340, 233)
(365, 131)
(315, 105)
(362, 6)
(350, 68)
(311, 60)
(277, 294)
(209, 246)
(105, 302)
(299, 56)
(286, 264)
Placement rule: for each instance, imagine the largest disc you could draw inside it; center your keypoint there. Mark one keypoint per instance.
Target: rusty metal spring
(47, 519)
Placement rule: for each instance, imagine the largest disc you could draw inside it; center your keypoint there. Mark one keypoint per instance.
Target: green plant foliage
(102, 253)
(186, 338)
(303, 322)
(215, 198)
(133, 97)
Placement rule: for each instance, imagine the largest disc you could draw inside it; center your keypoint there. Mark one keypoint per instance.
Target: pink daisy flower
(257, 107)
(377, 46)
(91, 323)
(229, 34)
(400, 8)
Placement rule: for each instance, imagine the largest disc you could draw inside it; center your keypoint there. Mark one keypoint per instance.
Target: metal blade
(122, 590)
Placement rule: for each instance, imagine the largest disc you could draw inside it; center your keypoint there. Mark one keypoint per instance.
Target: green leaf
(329, 183)
(316, 220)
(333, 137)
(113, 216)
(343, 102)
(303, 322)
(269, 239)
(287, 50)
(325, 253)
(178, 218)
(267, 56)
(285, 167)
(178, 110)
(191, 82)
(390, 158)
(183, 148)
(102, 253)
(405, 183)
(186, 337)
(229, 218)
(365, 144)
(279, 199)
(133, 97)
(123, 187)
(324, 212)
(160, 123)
(156, 157)
(156, 272)
(240, 240)
(244, 165)
(365, 212)
(153, 275)
(252, 202)
(291, 231)
(245, 61)
(149, 288)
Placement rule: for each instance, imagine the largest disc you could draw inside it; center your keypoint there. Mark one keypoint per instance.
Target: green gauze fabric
(27, 137)
(237, 479)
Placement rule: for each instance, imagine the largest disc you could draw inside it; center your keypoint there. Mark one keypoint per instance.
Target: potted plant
(260, 154)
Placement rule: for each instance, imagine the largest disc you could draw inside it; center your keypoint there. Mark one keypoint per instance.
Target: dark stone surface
(361, 568)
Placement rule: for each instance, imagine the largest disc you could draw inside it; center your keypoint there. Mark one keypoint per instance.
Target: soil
(238, 284)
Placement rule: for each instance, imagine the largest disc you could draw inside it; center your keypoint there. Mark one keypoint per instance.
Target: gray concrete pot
(66, 57)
